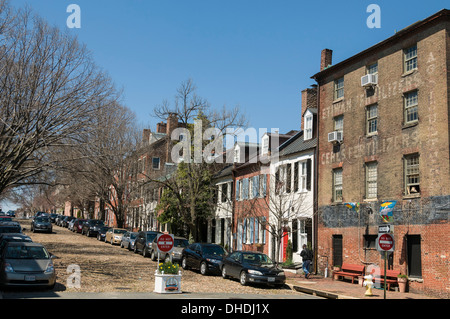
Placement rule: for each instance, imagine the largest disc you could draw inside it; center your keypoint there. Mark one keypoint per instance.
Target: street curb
(319, 293)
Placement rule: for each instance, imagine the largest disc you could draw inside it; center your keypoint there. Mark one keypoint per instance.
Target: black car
(91, 227)
(206, 257)
(102, 232)
(10, 227)
(53, 217)
(143, 242)
(41, 223)
(252, 267)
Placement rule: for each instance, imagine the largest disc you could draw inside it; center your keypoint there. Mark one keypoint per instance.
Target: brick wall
(429, 138)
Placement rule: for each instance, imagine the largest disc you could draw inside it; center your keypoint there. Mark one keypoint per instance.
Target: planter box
(167, 284)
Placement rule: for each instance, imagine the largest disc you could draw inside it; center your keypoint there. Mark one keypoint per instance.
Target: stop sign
(165, 243)
(386, 242)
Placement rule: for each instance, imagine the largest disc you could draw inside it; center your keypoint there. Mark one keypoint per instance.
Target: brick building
(384, 117)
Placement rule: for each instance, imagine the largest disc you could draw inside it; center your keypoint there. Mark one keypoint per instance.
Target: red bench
(391, 276)
(349, 270)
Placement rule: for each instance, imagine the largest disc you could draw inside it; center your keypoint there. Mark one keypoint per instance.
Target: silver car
(179, 244)
(128, 240)
(27, 264)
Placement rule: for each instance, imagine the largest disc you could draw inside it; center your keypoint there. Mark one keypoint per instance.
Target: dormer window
(237, 154)
(265, 145)
(308, 126)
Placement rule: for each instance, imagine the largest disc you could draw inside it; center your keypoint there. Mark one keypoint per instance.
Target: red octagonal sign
(165, 243)
(386, 242)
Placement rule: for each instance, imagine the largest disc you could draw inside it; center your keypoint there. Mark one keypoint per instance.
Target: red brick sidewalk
(343, 289)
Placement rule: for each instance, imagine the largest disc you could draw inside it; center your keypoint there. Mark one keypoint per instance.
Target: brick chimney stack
(145, 136)
(326, 59)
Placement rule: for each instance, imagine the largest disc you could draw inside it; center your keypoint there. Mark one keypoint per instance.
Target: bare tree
(190, 190)
(50, 91)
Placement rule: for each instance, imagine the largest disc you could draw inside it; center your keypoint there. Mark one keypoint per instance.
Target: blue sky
(257, 54)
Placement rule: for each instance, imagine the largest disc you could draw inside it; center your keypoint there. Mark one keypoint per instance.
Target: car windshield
(5, 219)
(43, 219)
(181, 243)
(119, 231)
(133, 235)
(10, 229)
(151, 236)
(96, 222)
(213, 250)
(251, 258)
(26, 252)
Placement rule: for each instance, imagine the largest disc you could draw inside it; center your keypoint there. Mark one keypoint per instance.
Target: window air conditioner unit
(369, 80)
(335, 137)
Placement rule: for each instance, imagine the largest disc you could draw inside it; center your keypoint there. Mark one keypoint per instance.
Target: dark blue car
(205, 257)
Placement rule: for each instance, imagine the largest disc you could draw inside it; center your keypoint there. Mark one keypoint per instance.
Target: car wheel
(203, 269)
(224, 272)
(184, 263)
(121, 244)
(243, 278)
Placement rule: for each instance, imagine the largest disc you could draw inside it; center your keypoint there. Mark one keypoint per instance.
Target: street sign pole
(385, 262)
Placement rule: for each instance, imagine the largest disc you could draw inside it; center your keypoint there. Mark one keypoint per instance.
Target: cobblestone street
(107, 268)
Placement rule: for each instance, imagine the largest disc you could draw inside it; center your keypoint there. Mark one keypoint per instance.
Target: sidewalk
(342, 289)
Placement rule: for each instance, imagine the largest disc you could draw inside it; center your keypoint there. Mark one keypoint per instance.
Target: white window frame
(308, 127)
(339, 88)
(410, 59)
(371, 180)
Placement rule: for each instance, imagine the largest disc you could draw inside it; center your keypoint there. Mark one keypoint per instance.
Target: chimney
(326, 59)
(161, 127)
(309, 100)
(145, 136)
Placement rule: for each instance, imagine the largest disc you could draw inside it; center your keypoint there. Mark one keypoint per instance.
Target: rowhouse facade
(384, 136)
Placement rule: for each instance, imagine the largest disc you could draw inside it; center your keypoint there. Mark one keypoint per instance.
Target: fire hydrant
(368, 283)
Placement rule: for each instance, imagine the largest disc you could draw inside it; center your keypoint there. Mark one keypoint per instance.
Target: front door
(337, 250)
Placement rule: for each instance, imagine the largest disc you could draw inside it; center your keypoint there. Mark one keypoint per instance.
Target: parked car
(102, 232)
(78, 225)
(128, 240)
(179, 244)
(252, 267)
(38, 214)
(10, 227)
(11, 213)
(69, 223)
(58, 219)
(205, 257)
(26, 264)
(8, 237)
(41, 223)
(143, 242)
(114, 235)
(91, 227)
(53, 217)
